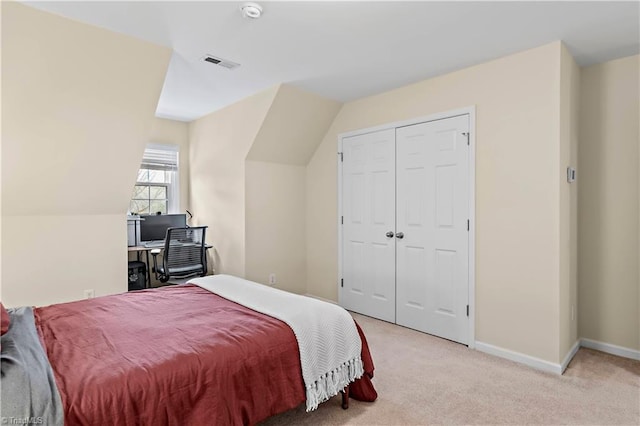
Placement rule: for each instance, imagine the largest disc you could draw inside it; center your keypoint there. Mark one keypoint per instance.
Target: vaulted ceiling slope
(293, 128)
(348, 50)
(77, 112)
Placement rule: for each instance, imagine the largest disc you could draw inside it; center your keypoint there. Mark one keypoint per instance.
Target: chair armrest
(155, 252)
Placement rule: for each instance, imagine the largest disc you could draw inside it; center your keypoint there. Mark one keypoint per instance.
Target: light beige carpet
(422, 380)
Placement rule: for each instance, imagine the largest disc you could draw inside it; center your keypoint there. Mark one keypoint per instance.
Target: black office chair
(185, 254)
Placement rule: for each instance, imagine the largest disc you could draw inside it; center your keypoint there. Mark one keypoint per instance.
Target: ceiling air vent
(220, 62)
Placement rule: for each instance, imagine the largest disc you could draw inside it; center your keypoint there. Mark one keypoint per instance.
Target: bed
(174, 355)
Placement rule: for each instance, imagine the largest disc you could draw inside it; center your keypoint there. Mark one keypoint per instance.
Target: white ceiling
(347, 50)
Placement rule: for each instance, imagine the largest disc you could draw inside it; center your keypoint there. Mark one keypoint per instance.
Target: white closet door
(368, 193)
(432, 212)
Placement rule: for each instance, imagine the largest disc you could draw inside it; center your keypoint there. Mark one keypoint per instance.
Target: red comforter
(176, 355)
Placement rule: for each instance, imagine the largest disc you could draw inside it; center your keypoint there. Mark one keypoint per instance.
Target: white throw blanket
(328, 340)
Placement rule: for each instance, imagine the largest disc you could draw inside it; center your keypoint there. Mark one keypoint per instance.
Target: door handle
(389, 234)
(400, 235)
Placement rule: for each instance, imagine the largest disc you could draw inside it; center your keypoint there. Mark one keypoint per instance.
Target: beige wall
(295, 125)
(517, 102)
(568, 121)
(275, 224)
(79, 106)
(54, 258)
(574, 135)
(608, 203)
(218, 145)
(248, 181)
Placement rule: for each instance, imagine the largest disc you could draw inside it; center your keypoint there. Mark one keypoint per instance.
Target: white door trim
(471, 111)
(340, 219)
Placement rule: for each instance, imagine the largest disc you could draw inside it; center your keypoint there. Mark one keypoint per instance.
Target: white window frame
(168, 193)
(170, 163)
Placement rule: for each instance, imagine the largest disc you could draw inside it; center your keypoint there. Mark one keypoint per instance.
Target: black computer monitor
(154, 227)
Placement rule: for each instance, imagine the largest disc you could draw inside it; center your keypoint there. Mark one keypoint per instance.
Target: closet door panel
(432, 211)
(368, 188)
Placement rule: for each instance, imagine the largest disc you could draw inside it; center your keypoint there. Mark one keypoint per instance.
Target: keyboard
(153, 244)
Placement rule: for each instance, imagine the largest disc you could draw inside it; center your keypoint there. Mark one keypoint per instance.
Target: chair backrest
(185, 251)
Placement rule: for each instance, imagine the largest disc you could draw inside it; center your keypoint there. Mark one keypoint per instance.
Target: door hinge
(467, 310)
(341, 220)
(341, 282)
(466, 135)
(341, 157)
(467, 224)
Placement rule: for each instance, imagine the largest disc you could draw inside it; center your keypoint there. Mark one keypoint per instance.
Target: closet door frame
(471, 111)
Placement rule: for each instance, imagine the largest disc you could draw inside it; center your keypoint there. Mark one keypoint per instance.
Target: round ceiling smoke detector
(251, 10)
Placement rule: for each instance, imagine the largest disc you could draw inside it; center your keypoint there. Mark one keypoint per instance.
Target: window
(156, 188)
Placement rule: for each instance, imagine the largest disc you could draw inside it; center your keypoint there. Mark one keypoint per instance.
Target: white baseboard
(541, 364)
(572, 352)
(537, 363)
(610, 349)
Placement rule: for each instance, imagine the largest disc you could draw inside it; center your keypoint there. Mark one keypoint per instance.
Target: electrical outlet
(89, 294)
(272, 279)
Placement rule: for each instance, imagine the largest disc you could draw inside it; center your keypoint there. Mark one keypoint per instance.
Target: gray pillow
(28, 394)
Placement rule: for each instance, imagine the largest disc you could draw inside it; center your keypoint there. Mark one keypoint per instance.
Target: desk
(139, 249)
